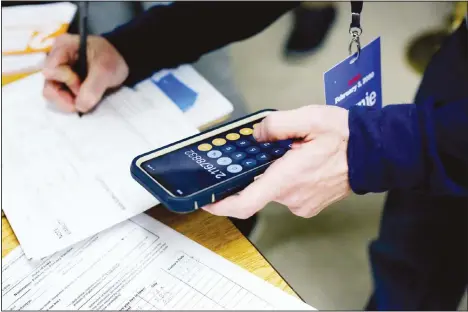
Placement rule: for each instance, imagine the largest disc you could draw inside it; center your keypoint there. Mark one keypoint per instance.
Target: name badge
(356, 80)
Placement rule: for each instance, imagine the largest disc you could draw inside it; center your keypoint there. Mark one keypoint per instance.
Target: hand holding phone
(310, 176)
(209, 166)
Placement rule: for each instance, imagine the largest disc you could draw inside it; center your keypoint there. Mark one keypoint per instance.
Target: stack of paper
(66, 178)
(68, 192)
(139, 264)
(28, 32)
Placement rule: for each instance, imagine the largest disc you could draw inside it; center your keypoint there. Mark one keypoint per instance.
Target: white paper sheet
(24, 63)
(66, 178)
(139, 264)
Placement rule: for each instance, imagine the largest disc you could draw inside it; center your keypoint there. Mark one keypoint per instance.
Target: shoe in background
(312, 22)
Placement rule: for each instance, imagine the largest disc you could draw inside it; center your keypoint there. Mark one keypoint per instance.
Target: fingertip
(263, 132)
(63, 99)
(207, 207)
(257, 133)
(85, 101)
(295, 145)
(49, 91)
(266, 129)
(63, 74)
(49, 73)
(228, 207)
(212, 209)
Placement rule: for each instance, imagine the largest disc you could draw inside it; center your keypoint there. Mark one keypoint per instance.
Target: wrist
(336, 120)
(130, 60)
(342, 123)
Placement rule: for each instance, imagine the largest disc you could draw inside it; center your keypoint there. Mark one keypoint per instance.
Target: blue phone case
(193, 202)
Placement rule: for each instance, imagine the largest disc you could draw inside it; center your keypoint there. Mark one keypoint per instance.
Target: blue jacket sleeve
(409, 146)
(180, 33)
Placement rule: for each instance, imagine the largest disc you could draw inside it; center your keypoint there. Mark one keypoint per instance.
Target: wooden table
(215, 233)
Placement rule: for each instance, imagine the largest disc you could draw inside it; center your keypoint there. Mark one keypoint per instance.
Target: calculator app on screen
(208, 162)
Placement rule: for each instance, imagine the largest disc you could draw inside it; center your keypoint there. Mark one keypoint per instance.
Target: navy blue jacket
(421, 146)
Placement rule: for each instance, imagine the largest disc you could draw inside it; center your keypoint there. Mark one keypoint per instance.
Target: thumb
(282, 125)
(92, 89)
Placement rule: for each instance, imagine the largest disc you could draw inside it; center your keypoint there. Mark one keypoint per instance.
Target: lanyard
(355, 29)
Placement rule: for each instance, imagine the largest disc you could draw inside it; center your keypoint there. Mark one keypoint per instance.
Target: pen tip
(80, 114)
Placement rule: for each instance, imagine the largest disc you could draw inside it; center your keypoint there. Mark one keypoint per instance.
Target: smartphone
(207, 167)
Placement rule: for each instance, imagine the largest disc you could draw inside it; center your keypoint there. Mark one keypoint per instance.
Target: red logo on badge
(354, 80)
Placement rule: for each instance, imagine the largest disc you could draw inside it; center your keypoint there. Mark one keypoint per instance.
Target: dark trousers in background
(419, 260)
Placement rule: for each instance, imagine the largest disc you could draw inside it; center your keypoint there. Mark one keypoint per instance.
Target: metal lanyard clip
(355, 29)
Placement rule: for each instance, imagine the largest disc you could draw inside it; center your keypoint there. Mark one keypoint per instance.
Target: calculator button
(246, 131)
(214, 154)
(263, 157)
(233, 136)
(205, 147)
(252, 150)
(242, 143)
(255, 125)
(278, 152)
(228, 148)
(238, 156)
(285, 143)
(234, 168)
(249, 163)
(266, 145)
(219, 142)
(224, 161)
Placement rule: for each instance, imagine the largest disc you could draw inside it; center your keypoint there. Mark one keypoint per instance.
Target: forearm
(409, 146)
(168, 36)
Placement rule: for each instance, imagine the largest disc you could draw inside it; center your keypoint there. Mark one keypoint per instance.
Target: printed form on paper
(139, 264)
(67, 178)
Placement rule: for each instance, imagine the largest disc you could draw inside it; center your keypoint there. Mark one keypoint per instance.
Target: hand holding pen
(81, 65)
(88, 68)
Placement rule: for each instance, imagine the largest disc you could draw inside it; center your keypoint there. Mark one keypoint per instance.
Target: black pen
(81, 66)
